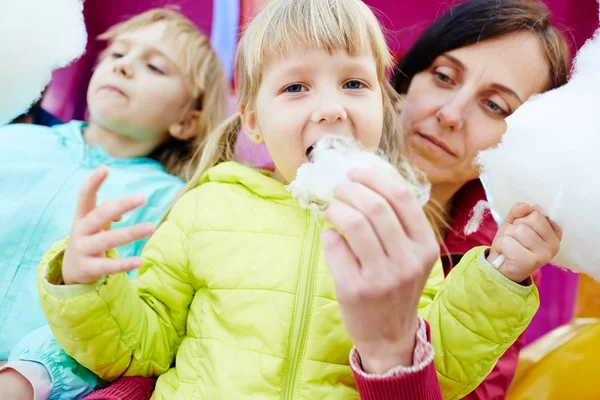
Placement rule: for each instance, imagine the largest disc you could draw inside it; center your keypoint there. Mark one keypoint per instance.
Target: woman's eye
(116, 55)
(495, 108)
(354, 85)
(443, 78)
(295, 88)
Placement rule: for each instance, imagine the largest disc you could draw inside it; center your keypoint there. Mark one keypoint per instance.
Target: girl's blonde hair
(285, 25)
(206, 83)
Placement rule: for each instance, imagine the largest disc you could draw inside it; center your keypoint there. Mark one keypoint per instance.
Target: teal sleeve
(70, 380)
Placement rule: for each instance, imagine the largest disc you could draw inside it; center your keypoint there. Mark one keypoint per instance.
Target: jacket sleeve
(117, 326)
(475, 316)
(69, 380)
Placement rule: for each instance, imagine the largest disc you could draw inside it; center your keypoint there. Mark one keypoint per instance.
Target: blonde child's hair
(206, 83)
(284, 25)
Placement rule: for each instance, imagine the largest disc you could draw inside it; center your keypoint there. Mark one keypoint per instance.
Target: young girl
(157, 90)
(242, 293)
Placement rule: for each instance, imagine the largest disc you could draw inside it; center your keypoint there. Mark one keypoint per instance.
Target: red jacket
(495, 386)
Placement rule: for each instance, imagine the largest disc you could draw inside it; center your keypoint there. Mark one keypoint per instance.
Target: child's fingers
(108, 211)
(513, 249)
(99, 267)
(527, 237)
(555, 227)
(87, 196)
(519, 210)
(541, 225)
(107, 240)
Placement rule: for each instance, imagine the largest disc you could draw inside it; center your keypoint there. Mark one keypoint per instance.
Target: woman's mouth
(435, 143)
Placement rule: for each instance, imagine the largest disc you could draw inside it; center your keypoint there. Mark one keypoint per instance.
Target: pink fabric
(129, 388)
(36, 374)
(418, 382)
(422, 356)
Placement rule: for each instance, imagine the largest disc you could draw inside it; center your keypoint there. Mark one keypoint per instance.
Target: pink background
(405, 20)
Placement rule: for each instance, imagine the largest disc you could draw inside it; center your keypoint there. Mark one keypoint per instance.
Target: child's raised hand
(381, 268)
(527, 240)
(85, 258)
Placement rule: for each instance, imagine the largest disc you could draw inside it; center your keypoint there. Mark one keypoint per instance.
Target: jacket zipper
(302, 309)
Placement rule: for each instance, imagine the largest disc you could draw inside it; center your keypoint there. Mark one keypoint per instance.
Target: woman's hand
(527, 240)
(85, 258)
(381, 268)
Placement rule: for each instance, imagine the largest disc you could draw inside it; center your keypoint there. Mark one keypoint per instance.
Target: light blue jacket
(42, 170)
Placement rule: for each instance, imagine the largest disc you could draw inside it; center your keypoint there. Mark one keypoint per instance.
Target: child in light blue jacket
(157, 90)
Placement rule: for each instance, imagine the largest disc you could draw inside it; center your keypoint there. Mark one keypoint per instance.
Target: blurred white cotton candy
(331, 160)
(550, 155)
(38, 36)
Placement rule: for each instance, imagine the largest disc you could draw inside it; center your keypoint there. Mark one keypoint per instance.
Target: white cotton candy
(331, 160)
(550, 155)
(37, 36)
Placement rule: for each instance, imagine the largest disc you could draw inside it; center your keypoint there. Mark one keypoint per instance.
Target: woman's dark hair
(477, 20)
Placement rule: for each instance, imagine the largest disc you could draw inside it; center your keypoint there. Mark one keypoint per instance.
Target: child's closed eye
(155, 69)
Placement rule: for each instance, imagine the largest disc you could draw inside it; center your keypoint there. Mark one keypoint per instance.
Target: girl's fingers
(378, 212)
(361, 237)
(99, 267)
(508, 245)
(104, 241)
(87, 196)
(109, 211)
(555, 227)
(406, 207)
(526, 236)
(519, 210)
(542, 226)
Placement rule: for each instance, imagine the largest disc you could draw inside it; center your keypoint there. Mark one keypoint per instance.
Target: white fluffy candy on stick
(331, 160)
(549, 156)
(37, 36)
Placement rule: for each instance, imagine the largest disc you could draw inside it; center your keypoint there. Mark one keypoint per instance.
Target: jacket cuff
(521, 289)
(422, 356)
(418, 381)
(52, 274)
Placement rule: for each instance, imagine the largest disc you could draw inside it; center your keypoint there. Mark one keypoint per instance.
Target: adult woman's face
(457, 106)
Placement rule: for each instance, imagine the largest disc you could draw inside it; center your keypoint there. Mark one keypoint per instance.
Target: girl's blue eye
(353, 85)
(296, 88)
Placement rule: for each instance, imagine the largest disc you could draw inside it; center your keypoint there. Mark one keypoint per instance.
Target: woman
(467, 72)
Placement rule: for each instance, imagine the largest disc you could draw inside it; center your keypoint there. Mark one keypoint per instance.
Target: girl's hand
(85, 258)
(381, 268)
(527, 240)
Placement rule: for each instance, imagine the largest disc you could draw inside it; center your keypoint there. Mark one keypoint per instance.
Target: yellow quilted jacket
(234, 300)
